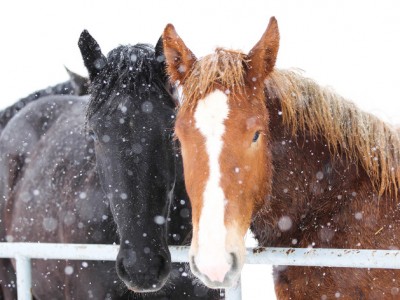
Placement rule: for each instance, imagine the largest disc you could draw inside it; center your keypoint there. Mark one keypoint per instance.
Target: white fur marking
(212, 259)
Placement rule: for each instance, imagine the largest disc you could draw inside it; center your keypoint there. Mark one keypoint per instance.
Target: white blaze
(212, 259)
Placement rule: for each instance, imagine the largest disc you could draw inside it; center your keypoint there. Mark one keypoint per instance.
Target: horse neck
(64, 88)
(311, 187)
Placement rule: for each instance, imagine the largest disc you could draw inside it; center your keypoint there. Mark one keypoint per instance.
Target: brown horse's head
(223, 129)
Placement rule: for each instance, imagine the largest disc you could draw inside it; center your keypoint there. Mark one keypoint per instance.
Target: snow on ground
(352, 46)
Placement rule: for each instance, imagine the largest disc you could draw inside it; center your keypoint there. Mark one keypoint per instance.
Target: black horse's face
(136, 164)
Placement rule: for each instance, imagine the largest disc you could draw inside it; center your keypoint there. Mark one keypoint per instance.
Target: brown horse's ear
(262, 57)
(178, 57)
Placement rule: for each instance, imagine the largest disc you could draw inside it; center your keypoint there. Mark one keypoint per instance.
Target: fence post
(234, 293)
(24, 277)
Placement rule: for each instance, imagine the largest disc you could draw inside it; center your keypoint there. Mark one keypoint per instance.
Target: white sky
(353, 46)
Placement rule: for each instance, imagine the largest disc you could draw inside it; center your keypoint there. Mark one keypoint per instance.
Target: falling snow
(147, 107)
(358, 215)
(105, 138)
(159, 220)
(137, 148)
(50, 224)
(69, 270)
(69, 218)
(285, 223)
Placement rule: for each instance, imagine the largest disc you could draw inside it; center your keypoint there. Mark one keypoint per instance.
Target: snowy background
(352, 46)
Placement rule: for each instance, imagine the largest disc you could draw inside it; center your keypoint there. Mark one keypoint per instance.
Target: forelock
(223, 69)
(130, 70)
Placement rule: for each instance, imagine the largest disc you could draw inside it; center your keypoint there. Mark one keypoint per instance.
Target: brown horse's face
(227, 163)
(226, 158)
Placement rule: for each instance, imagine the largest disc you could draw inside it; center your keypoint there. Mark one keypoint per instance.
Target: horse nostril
(160, 266)
(193, 265)
(121, 268)
(234, 261)
(147, 272)
(126, 260)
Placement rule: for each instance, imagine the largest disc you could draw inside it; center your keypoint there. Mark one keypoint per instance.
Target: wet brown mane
(306, 106)
(223, 67)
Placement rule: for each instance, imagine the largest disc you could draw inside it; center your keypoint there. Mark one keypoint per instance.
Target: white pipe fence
(24, 252)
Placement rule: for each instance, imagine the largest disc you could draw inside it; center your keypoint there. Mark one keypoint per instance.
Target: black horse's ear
(160, 50)
(78, 82)
(93, 59)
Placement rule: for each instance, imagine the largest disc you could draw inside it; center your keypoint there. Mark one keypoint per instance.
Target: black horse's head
(130, 117)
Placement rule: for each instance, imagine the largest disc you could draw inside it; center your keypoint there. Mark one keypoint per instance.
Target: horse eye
(256, 136)
(92, 134)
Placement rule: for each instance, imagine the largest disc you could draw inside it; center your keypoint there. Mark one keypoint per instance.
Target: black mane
(130, 70)
(70, 87)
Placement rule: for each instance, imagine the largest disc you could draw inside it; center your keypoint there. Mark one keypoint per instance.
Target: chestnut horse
(302, 167)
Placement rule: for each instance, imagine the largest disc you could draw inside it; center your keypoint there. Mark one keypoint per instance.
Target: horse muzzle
(216, 272)
(142, 274)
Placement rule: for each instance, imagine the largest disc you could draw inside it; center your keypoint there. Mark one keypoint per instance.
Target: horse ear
(78, 82)
(178, 57)
(262, 57)
(159, 50)
(93, 59)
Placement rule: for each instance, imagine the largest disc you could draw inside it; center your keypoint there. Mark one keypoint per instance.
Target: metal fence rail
(24, 252)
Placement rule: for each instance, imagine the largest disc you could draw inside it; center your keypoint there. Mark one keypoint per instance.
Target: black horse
(53, 176)
(76, 85)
